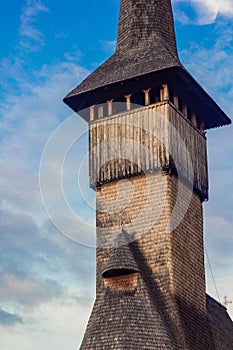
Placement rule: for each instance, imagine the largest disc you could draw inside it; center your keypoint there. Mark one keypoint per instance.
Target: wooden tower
(148, 164)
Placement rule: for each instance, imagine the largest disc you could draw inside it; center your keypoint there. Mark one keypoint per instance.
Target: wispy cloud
(40, 268)
(215, 61)
(212, 67)
(206, 10)
(31, 38)
(108, 46)
(9, 319)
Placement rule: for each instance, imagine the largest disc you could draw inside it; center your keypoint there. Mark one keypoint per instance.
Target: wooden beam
(109, 107)
(194, 118)
(100, 112)
(92, 113)
(164, 93)
(202, 126)
(185, 110)
(147, 97)
(128, 102)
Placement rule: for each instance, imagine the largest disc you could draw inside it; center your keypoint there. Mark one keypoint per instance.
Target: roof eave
(178, 76)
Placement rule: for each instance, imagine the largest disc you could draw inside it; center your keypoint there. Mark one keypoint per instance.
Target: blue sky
(47, 280)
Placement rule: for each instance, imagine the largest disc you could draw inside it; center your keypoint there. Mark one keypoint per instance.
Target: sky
(47, 261)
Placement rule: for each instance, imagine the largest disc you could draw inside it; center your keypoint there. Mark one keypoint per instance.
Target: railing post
(109, 107)
(147, 97)
(164, 93)
(100, 112)
(194, 119)
(92, 113)
(128, 102)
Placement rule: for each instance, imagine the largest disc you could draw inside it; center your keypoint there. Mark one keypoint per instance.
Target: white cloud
(30, 114)
(31, 37)
(57, 325)
(216, 61)
(9, 319)
(28, 292)
(219, 244)
(108, 46)
(38, 265)
(206, 10)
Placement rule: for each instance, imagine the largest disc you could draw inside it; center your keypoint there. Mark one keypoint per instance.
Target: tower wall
(149, 168)
(170, 257)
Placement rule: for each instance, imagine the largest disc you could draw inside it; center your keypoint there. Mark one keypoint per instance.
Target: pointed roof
(145, 53)
(142, 37)
(121, 260)
(128, 320)
(220, 323)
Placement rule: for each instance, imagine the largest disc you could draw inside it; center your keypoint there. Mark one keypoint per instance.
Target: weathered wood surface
(145, 140)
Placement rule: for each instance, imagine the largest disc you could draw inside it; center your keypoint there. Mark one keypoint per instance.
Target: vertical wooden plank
(132, 143)
(114, 161)
(91, 160)
(135, 133)
(128, 146)
(150, 126)
(147, 139)
(139, 141)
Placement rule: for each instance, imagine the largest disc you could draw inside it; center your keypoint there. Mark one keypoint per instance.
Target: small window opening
(124, 282)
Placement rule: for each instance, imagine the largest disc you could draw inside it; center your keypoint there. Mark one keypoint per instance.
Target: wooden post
(176, 101)
(164, 93)
(185, 110)
(92, 113)
(100, 112)
(157, 98)
(147, 97)
(202, 127)
(128, 102)
(109, 107)
(194, 119)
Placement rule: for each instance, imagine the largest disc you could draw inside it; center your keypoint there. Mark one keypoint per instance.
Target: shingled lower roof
(221, 325)
(128, 320)
(122, 66)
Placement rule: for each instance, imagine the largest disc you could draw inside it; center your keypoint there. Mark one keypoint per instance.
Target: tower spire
(140, 27)
(145, 53)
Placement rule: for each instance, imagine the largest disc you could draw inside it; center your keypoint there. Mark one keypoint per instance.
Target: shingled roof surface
(146, 43)
(138, 319)
(128, 320)
(221, 325)
(146, 46)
